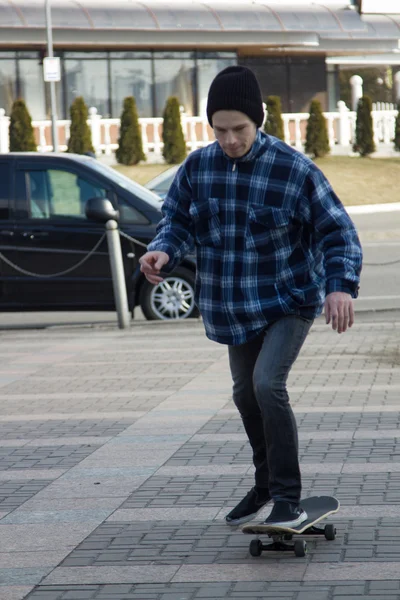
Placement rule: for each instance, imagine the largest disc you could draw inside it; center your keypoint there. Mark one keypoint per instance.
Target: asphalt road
(380, 282)
(379, 290)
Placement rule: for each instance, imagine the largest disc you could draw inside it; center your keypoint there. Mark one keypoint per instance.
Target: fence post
(157, 140)
(344, 133)
(297, 134)
(118, 275)
(4, 128)
(331, 131)
(286, 129)
(356, 83)
(397, 86)
(95, 126)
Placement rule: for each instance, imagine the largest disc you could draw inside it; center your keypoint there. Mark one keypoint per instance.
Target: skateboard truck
(299, 547)
(316, 507)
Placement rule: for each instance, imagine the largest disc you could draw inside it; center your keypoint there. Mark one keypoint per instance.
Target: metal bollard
(118, 275)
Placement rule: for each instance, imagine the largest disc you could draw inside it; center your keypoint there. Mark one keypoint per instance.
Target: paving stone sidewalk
(121, 452)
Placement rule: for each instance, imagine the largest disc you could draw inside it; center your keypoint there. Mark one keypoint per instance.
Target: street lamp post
(53, 105)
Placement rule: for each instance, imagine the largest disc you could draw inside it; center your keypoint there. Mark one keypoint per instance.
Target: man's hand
(339, 309)
(151, 264)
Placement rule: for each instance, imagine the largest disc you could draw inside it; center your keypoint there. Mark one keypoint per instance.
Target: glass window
(4, 190)
(174, 77)
(131, 78)
(7, 84)
(207, 69)
(136, 55)
(87, 78)
(56, 193)
(307, 82)
(129, 214)
(85, 55)
(377, 82)
(32, 87)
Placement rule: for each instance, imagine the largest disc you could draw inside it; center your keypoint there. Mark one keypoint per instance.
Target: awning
(330, 27)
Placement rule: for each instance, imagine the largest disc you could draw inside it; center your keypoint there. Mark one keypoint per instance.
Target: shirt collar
(258, 144)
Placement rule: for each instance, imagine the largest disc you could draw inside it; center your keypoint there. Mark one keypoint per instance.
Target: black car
(44, 231)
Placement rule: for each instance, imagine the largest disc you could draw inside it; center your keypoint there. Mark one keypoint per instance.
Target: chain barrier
(385, 264)
(132, 239)
(70, 269)
(60, 273)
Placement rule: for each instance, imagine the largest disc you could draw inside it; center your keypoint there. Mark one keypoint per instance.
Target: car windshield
(162, 182)
(126, 183)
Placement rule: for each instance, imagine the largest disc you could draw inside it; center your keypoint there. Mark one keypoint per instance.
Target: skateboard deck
(316, 507)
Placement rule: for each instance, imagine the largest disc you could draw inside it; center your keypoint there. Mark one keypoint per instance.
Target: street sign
(51, 69)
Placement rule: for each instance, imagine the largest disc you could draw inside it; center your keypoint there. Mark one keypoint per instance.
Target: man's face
(234, 131)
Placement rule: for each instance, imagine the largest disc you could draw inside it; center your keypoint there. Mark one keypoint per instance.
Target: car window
(129, 214)
(163, 186)
(56, 193)
(144, 194)
(4, 190)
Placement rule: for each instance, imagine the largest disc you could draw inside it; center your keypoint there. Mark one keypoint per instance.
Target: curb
(373, 208)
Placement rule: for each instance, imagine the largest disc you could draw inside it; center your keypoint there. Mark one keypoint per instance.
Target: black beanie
(236, 88)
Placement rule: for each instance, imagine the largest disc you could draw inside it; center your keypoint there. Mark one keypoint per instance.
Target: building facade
(156, 49)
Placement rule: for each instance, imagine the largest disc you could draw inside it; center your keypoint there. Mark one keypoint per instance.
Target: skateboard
(316, 507)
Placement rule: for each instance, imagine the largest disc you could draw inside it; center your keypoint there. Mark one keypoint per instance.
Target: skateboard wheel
(300, 548)
(330, 532)
(255, 548)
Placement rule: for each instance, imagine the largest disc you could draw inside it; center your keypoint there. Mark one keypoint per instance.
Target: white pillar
(356, 83)
(145, 139)
(94, 123)
(331, 131)
(157, 139)
(286, 129)
(4, 128)
(397, 86)
(265, 115)
(344, 132)
(297, 134)
(107, 139)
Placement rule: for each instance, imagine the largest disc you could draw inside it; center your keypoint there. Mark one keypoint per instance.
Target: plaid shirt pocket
(268, 228)
(206, 222)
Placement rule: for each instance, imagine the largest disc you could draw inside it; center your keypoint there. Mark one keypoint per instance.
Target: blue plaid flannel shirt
(271, 237)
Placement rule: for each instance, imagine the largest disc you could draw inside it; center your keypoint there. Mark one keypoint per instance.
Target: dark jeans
(260, 369)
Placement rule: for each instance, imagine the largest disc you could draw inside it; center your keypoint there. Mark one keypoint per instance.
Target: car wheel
(172, 298)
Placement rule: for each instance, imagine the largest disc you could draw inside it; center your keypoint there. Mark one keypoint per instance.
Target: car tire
(171, 299)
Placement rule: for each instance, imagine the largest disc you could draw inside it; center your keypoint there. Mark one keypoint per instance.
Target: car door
(52, 235)
(8, 298)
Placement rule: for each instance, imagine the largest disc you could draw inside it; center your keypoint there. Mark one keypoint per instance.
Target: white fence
(105, 132)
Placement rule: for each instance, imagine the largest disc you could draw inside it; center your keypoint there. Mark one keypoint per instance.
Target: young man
(273, 244)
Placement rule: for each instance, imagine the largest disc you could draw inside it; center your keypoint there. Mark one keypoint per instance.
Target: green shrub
(397, 130)
(130, 146)
(364, 143)
(174, 150)
(22, 137)
(317, 141)
(80, 140)
(274, 123)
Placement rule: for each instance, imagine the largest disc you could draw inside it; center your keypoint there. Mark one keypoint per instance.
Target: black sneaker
(249, 507)
(285, 514)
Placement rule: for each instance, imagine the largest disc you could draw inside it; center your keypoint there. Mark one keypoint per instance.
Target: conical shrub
(274, 123)
(80, 140)
(130, 145)
(317, 140)
(364, 142)
(397, 130)
(21, 134)
(174, 150)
